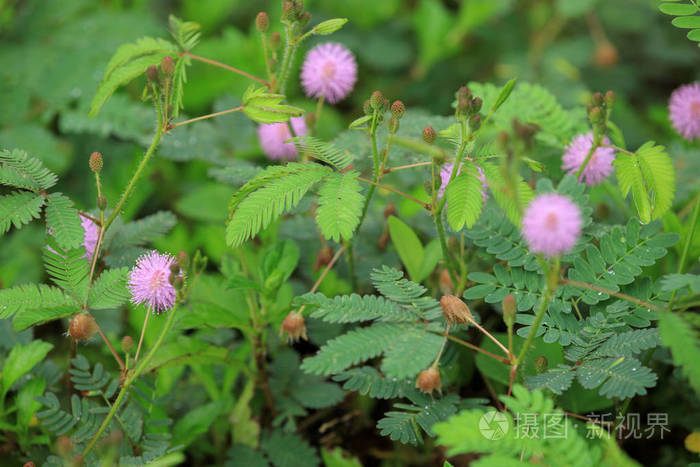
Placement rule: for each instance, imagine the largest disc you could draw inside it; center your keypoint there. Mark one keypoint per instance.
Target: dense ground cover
(349, 233)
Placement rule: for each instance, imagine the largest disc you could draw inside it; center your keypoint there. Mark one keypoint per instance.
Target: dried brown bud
(398, 109)
(383, 240)
(262, 22)
(429, 134)
(64, 446)
(152, 73)
(167, 66)
(447, 287)
(509, 310)
(127, 344)
(429, 380)
(95, 162)
(541, 364)
(294, 326)
(82, 326)
(606, 55)
(389, 210)
(455, 310)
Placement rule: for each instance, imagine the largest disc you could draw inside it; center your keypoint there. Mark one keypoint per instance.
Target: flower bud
(262, 22)
(393, 125)
(476, 104)
(82, 326)
(597, 99)
(102, 202)
(376, 100)
(455, 310)
(304, 18)
(610, 99)
(288, 13)
(398, 109)
(463, 93)
(475, 122)
(29, 464)
(152, 74)
(447, 287)
(509, 310)
(183, 259)
(429, 134)
(429, 380)
(383, 240)
(127, 344)
(294, 326)
(606, 55)
(541, 364)
(367, 107)
(167, 66)
(275, 41)
(595, 115)
(464, 105)
(95, 162)
(298, 6)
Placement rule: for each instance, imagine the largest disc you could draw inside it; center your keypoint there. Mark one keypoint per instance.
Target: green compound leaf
(339, 206)
(63, 221)
(19, 170)
(18, 209)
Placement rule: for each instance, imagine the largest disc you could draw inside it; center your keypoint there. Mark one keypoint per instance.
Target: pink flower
(600, 164)
(272, 137)
(551, 224)
(684, 111)
(90, 238)
(445, 173)
(330, 71)
(149, 282)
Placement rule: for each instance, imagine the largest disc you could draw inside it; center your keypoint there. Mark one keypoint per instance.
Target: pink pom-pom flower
(684, 111)
(149, 282)
(272, 137)
(599, 165)
(92, 231)
(445, 173)
(551, 224)
(329, 70)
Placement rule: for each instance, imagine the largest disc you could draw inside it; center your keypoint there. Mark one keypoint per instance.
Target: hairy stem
(130, 380)
(394, 190)
(472, 346)
(226, 67)
(204, 117)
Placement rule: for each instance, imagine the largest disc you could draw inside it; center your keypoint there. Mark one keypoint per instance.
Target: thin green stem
(204, 117)
(226, 67)
(394, 190)
(130, 380)
(404, 167)
(597, 137)
(134, 178)
(629, 298)
(319, 107)
(548, 291)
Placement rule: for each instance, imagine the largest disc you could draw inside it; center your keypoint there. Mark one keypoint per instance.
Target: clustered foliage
(409, 227)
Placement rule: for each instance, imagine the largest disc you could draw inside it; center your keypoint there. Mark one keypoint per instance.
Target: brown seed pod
(82, 326)
(294, 326)
(455, 310)
(429, 380)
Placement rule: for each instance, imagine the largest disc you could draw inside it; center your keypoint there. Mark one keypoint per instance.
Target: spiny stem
(204, 117)
(583, 285)
(386, 187)
(226, 67)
